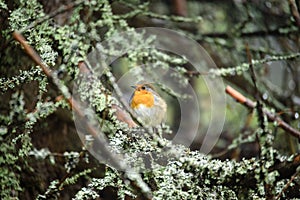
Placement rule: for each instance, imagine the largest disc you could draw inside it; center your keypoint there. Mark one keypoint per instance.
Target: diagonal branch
(120, 113)
(272, 117)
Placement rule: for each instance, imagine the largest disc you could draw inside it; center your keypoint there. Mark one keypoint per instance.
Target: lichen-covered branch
(135, 180)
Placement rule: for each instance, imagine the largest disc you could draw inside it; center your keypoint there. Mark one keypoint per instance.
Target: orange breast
(142, 97)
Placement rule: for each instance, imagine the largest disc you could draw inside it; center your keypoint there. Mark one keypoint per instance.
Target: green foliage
(9, 177)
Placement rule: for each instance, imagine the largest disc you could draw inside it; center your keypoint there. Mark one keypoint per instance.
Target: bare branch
(272, 117)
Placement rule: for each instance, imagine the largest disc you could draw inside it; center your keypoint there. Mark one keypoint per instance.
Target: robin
(148, 105)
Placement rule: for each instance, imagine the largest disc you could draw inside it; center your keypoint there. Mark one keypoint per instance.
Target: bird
(148, 105)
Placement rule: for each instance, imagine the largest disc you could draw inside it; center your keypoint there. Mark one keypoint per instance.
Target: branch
(279, 31)
(180, 7)
(235, 70)
(135, 181)
(144, 11)
(295, 12)
(272, 117)
(287, 185)
(60, 10)
(121, 114)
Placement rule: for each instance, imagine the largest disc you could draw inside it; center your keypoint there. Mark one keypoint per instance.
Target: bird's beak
(133, 86)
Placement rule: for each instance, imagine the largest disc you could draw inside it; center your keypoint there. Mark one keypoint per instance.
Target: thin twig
(60, 10)
(232, 71)
(260, 114)
(272, 117)
(287, 185)
(260, 33)
(144, 11)
(259, 106)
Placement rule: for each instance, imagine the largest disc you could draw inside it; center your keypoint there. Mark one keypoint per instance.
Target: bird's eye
(143, 88)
